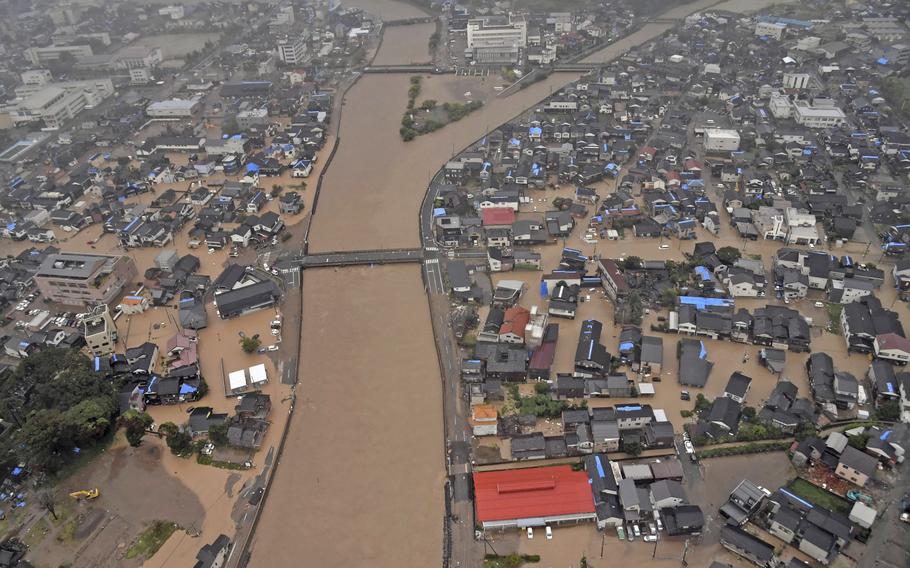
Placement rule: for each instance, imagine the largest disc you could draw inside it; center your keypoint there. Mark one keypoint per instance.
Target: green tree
(180, 443)
(136, 424)
(632, 448)
(562, 203)
(631, 262)
(749, 412)
(218, 434)
(250, 344)
(668, 297)
(701, 402)
(729, 255)
(428, 104)
(583, 563)
(168, 429)
(890, 411)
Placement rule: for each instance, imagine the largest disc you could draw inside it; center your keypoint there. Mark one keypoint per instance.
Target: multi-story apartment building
(84, 279)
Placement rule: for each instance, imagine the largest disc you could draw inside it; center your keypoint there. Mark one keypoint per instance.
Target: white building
(496, 40)
(140, 76)
(41, 55)
(797, 80)
(130, 57)
(252, 117)
(780, 106)
(721, 140)
(291, 51)
(36, 77)
(770, 29)
(173, 108)
(175, 12)
(817, 116)
(52, 105)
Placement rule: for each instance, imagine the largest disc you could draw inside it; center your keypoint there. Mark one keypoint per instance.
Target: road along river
(360, 481)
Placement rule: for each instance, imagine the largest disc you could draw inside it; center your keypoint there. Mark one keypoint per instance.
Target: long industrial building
(532, 497)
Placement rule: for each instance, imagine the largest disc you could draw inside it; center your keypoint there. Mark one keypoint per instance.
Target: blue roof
(628, 408)
(702, 303)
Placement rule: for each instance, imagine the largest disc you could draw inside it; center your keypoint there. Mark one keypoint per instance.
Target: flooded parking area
(361, 477)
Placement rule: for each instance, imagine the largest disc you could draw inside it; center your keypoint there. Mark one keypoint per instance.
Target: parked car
(549, 533)
(530, 533)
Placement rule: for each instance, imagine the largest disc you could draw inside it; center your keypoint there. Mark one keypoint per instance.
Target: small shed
(863, 515)
(237, 380)
(258, 374)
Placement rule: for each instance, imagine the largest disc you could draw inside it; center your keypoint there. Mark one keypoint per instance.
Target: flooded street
(360, 482)
(402, 45)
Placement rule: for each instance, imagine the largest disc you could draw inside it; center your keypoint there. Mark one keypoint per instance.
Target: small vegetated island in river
(429, 115)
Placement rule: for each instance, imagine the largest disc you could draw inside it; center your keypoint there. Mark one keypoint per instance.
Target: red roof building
(498, 216)
(532, 497)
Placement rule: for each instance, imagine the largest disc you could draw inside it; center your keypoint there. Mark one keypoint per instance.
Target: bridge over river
(361, 257)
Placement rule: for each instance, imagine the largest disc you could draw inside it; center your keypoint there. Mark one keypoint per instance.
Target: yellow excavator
(87, 494)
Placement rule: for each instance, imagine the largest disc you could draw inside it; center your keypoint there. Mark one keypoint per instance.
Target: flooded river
(361, 477)
(361, 480)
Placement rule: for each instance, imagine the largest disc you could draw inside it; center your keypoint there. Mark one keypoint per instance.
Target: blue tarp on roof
(251, 167)
(626, 346)
(702, 303)
(544, 289)
(17, 471)
(187, 389)
(600, 467)
(439, 212)
(535, 131)
(703, 272)
(703, 353)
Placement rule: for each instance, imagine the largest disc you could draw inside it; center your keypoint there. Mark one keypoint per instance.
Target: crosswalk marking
(431, 261)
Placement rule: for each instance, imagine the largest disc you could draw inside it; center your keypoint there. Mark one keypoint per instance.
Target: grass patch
(208, 460)
(151, 539)
(819, 496)
(68, 532)
(510, 561)
(36, 533)
(834, 312)
(750, 448)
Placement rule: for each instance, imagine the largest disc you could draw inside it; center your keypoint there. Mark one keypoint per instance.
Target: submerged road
(363, 468)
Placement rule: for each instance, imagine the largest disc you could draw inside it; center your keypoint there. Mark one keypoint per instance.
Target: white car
(273, 348)
(549, 533)
(663, 247)
(636, 530)
(650, 538)
(530, 533)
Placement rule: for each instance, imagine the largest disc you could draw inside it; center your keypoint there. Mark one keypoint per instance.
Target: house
(652, 355)
(528, 447)
(633, 416)
(749, 547)
(484, 418)
(892, 347)
(744, 501)
(605, 436)
(239, 301)
(724, 416)
(515, 320)
(667, 493)
(694, 367)
(737, 387)
(214, 555)
(659, 435)
(683, 520)
(856, 466)
(591, 357)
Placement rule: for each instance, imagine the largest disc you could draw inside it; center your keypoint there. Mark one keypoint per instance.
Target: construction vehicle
(86, 494)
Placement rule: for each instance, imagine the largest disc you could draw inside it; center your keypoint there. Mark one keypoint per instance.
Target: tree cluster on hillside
(56, 404)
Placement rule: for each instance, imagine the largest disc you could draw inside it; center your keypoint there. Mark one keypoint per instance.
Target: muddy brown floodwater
(361, 476)
(360, 481)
